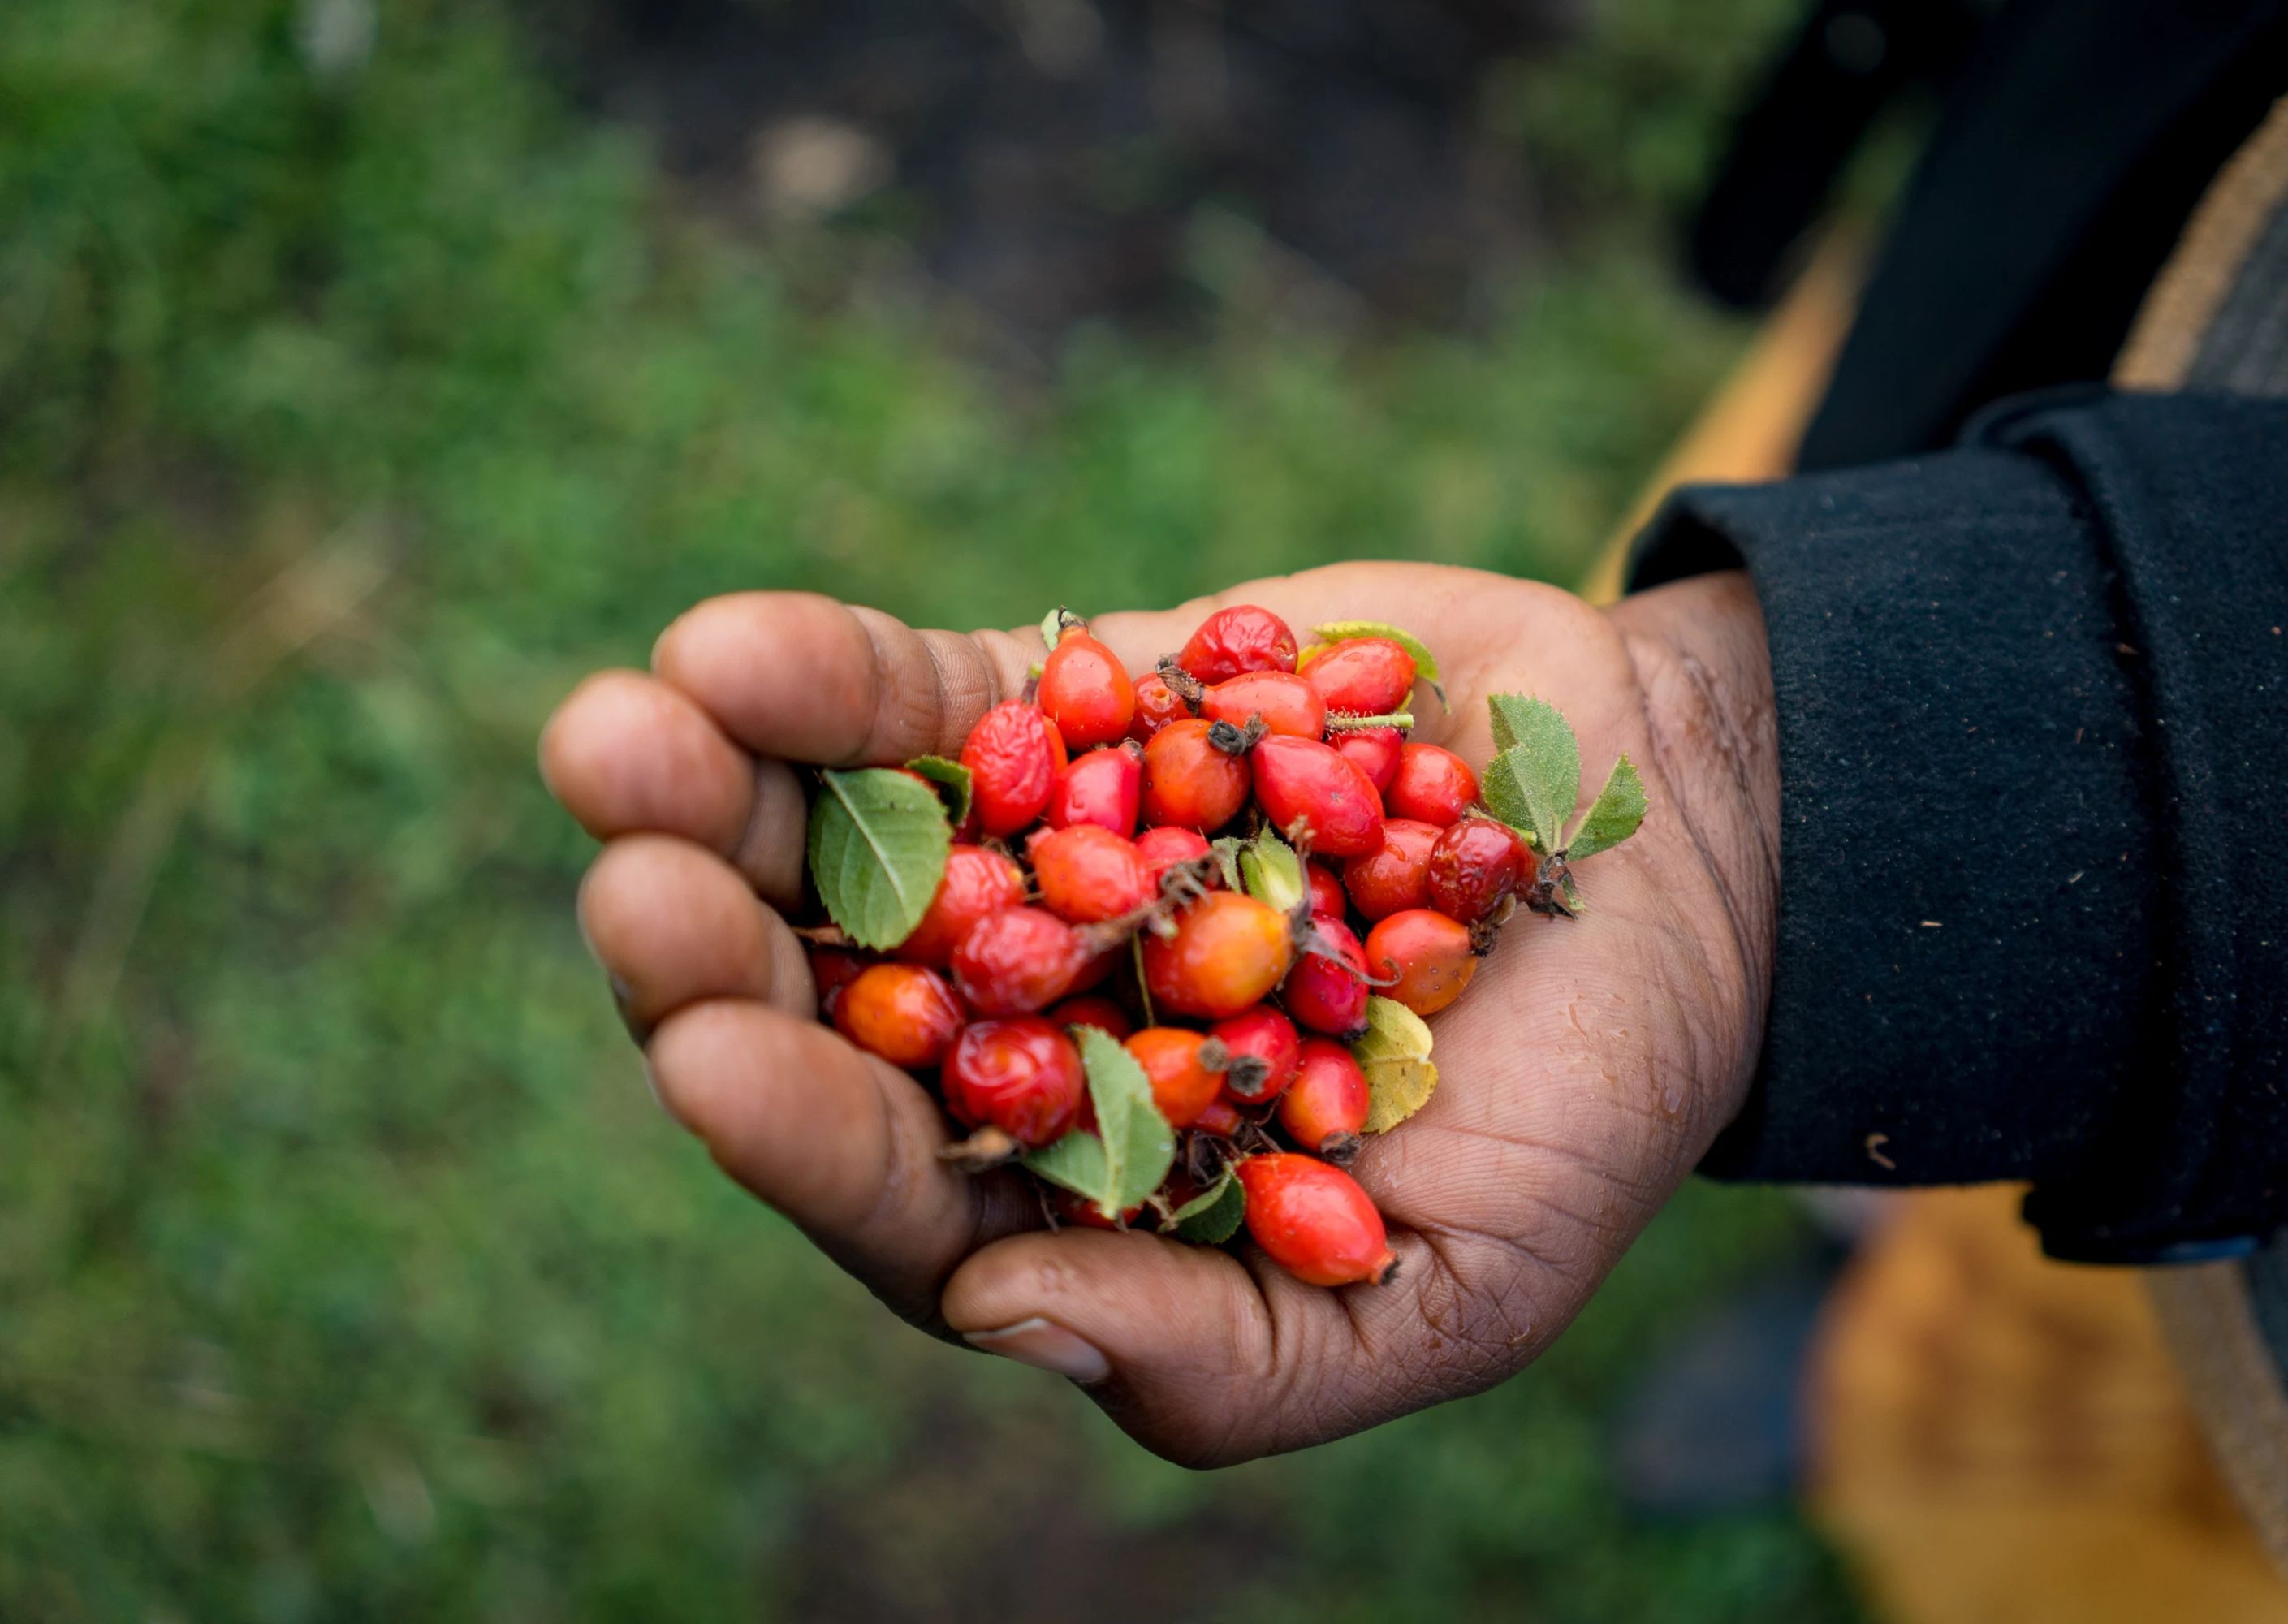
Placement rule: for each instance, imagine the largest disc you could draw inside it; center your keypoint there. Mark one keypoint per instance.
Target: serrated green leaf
(877, 844)
(1227, 849)
(1076, 1161)
(1613, 816)
(1534, 780)
(1212, 1217)
(1426, 663)
(1124, 1161)
(1271, 873)
(1395, 1056)
(955, 776)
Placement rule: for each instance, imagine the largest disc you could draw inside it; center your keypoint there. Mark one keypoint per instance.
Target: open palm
(1583, 1076)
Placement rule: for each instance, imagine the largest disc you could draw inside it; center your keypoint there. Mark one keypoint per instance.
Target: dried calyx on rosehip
(1166, 940)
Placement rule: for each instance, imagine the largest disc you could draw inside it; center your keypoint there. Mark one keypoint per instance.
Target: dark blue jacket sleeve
(2033, 719)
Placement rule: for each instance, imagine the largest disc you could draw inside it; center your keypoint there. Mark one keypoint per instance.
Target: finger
(672, 923)
(626, 752)
(1204, 1358)
(803, 678)
(844, 1144)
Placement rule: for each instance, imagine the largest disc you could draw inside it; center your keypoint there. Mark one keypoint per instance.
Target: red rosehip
(1326, 891)
(1085, 691)
(1375, 750)
(1104, 787)
(977, 882)
(1362, 676)
(831, 969)
(1181, 1087)
(1314, 1221)
(1286, 703)
(1188, 781)
(1094, 1010)
(1219, 1116)
(903, 1012)
(1018, 961)
(1301, 782)
(1163, 848)
(1156, 706)
(1473, 866)
(1070, 1208)
(1227, 951)
(1429, 953)
(1324, 1108)
(1264, 1049)
(1235, 640)
(1432, 786)
(1397, 875)
(1013, 755)
(1330, 995)
(1088, 874)
(1022, 1076)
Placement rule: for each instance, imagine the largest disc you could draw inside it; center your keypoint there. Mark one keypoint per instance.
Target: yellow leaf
(1395, 1056)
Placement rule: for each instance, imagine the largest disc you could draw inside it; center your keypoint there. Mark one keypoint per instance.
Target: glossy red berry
(1104, 787)
(1156, 706)
(1163, 848)
(1018, 961)
(1022, 1076)
(1314, 1221)
(903, 1012)
(1328, 994)
(1286, 703)
(1084, 1213)
(1092, 1010)
(1227, 951)
(1187, 782)
(1235, 640)
(1375, 750)
(1220, 1117)
(1085, 690)
(1315, 795)
(1088, 874)
(1395, 876)
(1013, 755)
(1181, 1087)
(1473, 865)
(1326, 891)
(1429, 955)
(1362, 676)
(977, 882)
(1324, 1108)
(831, 969)
(1264, 1048)
(1432, 786)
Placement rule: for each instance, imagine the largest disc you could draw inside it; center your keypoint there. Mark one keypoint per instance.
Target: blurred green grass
(345, 1268)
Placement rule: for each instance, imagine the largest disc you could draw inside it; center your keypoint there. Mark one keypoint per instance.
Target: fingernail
(1045, 1345)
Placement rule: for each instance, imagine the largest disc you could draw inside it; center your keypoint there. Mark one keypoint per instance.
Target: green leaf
(878, 845)
(1426, 663)
(1270, 872)
(1613, 816)
(1534, 780)
(1227, 849)
(1212, 1217)
(1053, 626)
(1124, 1161)
(954, 776)
(1395, 1056)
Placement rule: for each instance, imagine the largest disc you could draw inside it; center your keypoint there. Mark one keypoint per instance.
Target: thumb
(1202, 1358)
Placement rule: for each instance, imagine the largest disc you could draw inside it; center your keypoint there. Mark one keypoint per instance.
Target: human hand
(1587, 1071)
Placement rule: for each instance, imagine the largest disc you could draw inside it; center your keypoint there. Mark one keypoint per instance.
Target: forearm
(2029, 926)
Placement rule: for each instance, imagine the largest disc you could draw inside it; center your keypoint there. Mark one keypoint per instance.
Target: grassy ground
(345, 1268)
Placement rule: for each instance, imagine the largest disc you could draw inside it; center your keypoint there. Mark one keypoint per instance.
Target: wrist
(1703, 671)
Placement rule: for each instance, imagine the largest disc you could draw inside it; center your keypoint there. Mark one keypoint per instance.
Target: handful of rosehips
(1151, 933)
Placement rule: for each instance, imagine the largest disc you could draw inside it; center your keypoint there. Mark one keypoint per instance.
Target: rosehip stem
(1396, 719)
(1181, 683)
